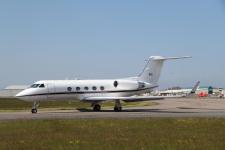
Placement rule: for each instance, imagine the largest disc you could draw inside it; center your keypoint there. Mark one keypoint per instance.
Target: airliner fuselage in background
(98, 91)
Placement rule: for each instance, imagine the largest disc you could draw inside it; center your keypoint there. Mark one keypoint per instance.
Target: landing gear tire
(97, 107)
(34, 108)
(117, 109)
(34, 111)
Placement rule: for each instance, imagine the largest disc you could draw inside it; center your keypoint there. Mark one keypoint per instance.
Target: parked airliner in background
(98, 91)
(181, 91)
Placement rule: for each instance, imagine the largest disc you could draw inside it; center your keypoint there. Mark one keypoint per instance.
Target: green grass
(16, 105)
(110, 134)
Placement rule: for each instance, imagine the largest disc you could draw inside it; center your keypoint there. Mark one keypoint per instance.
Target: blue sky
(54, 39)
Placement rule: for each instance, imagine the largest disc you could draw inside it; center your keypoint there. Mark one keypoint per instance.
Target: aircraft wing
(128, 99)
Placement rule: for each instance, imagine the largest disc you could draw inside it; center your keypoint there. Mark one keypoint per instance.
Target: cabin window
(94, 88)
(69, 89)
(115, 83)
(102, 88)
(42, 86)
(78, 88)
(86, 88)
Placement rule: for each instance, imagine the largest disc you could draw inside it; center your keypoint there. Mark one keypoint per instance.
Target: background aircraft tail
(194, 89)
(152, 70)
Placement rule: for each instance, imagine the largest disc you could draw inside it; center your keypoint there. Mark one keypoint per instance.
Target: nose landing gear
(34, 108)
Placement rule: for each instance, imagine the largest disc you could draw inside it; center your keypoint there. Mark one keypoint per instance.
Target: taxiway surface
(185, 107)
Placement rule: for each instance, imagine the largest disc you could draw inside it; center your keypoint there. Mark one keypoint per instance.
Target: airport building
(201, 91)
(12, 90)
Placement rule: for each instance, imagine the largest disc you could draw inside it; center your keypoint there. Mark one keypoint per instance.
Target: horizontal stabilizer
(168, 58)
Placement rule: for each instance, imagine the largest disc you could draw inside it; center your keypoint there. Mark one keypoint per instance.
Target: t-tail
(153, 68)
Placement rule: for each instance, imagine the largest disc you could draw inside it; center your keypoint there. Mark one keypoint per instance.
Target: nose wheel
(34, 108)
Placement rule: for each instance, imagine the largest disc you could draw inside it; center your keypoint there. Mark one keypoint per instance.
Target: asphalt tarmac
(173, 108)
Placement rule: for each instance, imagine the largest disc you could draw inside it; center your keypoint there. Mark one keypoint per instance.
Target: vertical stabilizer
(153, 68)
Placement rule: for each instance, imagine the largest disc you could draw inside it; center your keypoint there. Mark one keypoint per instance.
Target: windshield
(37, 86)
(42, 86)
(34, 85)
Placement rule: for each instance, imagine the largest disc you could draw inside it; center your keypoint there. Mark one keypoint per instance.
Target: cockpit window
(42, 86)
(35, 85)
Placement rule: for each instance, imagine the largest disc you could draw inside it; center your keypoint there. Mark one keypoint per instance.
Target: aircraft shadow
(143, 110)
(135, 110)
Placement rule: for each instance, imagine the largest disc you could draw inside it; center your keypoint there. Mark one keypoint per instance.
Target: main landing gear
(118, 106)
(96, 107)
(34, 108)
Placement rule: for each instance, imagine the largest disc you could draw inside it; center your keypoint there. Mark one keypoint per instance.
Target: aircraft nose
(18, 95)
(21, 94)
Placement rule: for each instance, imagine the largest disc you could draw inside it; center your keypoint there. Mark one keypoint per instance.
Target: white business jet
(98, 91)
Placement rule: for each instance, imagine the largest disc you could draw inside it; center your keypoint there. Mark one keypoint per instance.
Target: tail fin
(152, 70)
(195, 88)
